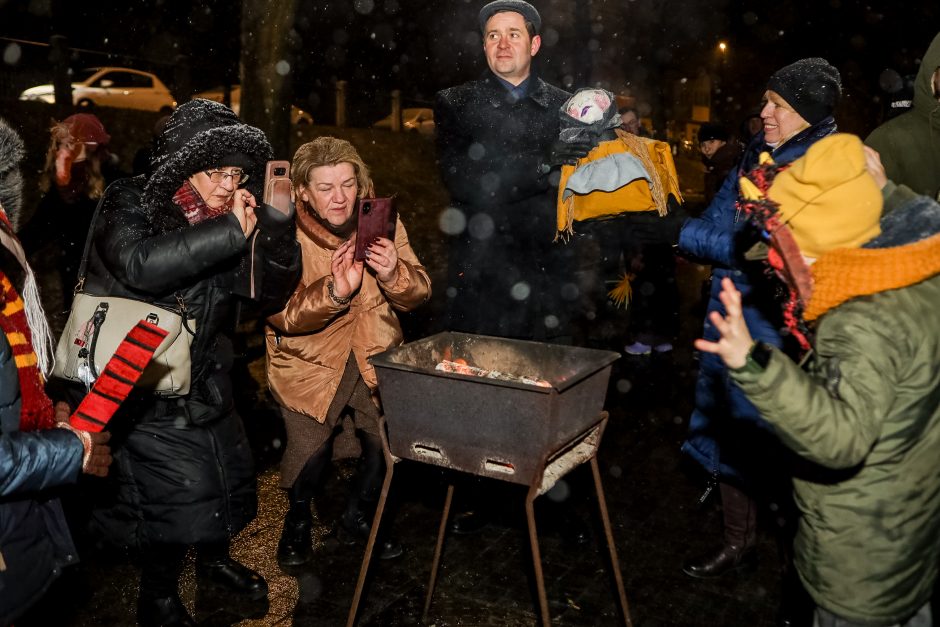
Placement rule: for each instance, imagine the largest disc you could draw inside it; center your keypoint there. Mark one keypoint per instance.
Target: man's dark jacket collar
(497, 94)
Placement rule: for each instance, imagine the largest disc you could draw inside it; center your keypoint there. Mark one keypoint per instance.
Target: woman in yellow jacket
(318, 347)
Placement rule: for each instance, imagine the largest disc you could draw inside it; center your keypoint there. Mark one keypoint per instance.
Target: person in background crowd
(190, 232)
(318, 347)
(630, 122)
(78, 168)
(909, 144)
(863, 414)
(720, 156)
(726, 433)
(751, 126)
(35, 458)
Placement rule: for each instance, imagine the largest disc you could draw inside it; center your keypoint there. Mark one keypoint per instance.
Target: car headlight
(47, 98)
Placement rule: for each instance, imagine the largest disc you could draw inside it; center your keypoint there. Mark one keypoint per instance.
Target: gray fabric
(605, 175)
(12, 152)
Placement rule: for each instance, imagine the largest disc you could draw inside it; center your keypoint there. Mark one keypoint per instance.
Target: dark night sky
(419, 46)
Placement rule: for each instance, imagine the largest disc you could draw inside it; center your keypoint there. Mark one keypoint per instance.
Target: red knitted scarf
(764, 212)
(35, 408)
(194, 207)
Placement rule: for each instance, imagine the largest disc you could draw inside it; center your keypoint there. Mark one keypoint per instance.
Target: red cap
(86, 127)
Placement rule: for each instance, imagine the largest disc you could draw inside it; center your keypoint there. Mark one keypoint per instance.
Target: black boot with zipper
(740, 535)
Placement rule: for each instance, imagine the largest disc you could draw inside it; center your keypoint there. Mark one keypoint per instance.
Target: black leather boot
(166, 611)
(355, 529)
(737, 552)
(158, 601)
(355, 523)
(295, 546)
(217, 572)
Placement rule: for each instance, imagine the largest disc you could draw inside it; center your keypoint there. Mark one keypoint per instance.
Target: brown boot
(737, 552)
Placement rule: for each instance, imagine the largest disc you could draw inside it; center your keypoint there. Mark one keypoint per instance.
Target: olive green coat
(866, 414)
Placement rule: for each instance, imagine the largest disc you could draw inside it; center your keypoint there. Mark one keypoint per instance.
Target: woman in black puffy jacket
(192, 230)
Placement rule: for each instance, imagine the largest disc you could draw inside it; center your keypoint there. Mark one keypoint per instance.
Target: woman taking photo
(318, 347)
(183, 473)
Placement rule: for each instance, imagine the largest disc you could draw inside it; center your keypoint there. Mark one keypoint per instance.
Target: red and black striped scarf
(36, 407)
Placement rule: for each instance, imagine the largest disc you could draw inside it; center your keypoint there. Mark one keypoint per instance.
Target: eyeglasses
(218, 176)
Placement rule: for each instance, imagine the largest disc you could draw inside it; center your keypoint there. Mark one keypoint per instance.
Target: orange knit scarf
(847, 273)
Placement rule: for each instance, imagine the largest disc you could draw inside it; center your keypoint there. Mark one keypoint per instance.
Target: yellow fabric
(638, 195)
(622, 292)
(844, 274)
(827, 197)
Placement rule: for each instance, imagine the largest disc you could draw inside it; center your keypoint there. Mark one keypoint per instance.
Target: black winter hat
(204, 134)
(526, 10)
(811, 86)
(712, 131)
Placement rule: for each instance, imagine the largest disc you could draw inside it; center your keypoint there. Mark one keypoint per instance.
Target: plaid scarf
(194, 207)
(35, 407)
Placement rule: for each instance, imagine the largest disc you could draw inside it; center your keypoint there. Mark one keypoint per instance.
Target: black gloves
(564, 153)
(272, 221)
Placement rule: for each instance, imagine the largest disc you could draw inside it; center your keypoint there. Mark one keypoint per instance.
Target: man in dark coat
(494, 138)
(497, 141)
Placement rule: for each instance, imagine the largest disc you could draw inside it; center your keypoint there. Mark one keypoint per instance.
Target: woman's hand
(243, 208)
(875, 167)
(382, 256)
(347, 272)
(736, 341)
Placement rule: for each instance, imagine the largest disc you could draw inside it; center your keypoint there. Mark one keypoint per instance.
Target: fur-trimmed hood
(11, 180)
(203, 134)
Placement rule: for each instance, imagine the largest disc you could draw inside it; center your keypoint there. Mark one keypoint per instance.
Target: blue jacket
(34, 540)
(723, 417)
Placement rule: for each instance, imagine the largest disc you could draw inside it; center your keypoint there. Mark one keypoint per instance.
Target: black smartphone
(377, 217)
(277, 186)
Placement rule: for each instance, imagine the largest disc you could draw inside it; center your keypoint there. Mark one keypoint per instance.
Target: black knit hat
(526, 10)
(203, 134)
(811, 86)
(712, 131)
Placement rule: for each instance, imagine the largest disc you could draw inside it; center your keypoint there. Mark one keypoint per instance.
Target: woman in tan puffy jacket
(318, 347)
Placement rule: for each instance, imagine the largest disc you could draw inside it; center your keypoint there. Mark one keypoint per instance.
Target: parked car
(415, 120)
(297, 115)
(111, 87)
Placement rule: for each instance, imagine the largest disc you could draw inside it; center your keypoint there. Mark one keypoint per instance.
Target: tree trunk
(267, 65)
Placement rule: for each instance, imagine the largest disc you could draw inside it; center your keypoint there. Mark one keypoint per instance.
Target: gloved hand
(275, 222)
(564, 153)
(97, 454)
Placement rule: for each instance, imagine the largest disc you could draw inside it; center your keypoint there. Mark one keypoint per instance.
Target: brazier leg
(438, 549)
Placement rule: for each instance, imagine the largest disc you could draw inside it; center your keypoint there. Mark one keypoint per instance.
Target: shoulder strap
(83, 266)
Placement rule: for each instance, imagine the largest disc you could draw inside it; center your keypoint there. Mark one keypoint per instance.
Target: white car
(111, 87)
(420, 120)
(297, 115)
